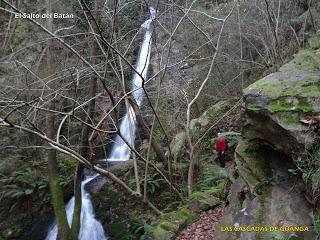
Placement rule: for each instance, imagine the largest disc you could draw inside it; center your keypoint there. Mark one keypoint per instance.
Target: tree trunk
(64, 232)
(156, 147)
(85, 148)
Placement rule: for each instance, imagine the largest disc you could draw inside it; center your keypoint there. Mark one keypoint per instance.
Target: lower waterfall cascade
(90, 227)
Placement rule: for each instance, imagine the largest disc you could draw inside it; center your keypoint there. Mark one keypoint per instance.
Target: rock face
(265, 194)
(275, 104)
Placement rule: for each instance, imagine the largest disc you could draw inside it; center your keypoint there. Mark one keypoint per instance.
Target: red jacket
(221, 145)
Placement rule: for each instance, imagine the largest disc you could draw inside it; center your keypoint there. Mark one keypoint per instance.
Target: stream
(90, 227)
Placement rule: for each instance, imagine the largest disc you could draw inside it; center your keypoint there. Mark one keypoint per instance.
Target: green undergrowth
(26, 195)
(123, 216)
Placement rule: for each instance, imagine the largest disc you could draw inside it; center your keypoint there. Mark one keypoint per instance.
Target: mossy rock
(172, 222)
(251, 163)
(275, 104)
(252, 157)
(205, 200)
(160, 233)
(199, 125)
(314, 42)
(210, 114)
(177, 145)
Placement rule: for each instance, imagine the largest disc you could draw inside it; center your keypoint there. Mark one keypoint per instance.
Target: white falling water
(91, 229)
(120, 150)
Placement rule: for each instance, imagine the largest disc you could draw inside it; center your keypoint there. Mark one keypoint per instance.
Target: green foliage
(309, 168)
(138, 230)
(306, 167)
(314, 42)
(22, 183)
(210, 175)
(316, 224)
(141, 228)
(153, 183)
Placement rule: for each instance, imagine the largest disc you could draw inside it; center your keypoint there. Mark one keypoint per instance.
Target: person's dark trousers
(222, 159)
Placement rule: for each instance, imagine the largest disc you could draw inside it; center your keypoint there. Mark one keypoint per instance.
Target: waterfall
(91, 229)
(120, 150)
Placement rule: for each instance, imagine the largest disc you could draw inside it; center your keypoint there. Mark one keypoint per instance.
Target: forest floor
(205, 227)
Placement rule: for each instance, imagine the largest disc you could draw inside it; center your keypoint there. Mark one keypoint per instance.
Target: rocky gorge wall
(273, 159)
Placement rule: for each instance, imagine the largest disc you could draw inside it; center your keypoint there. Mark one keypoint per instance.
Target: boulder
(275, 105)
(178, 145)
(215, 111)
(199, 125)
(172, 222)
(265, 194)
(208, 199)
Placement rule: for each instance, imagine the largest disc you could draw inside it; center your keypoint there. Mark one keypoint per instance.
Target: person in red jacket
(221, 147)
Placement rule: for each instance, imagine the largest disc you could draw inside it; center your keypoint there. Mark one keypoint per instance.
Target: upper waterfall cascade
(91, 229)
(120, 150)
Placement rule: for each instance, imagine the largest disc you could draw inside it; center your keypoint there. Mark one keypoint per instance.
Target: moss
(305, 88)
(270, 89)
(169, 226)
(160, 233)
(314, 42)
(264, 192)
(252, 163)
(179, 216)
(281, 106)
(209, 198)
(250, 179)
(306, 59)
(286, 106)
(288, 118)
(172, 222)
(253, 107)
(285, 83)
(304, 106)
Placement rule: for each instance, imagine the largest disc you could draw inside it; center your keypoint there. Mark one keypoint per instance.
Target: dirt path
(204, 228)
